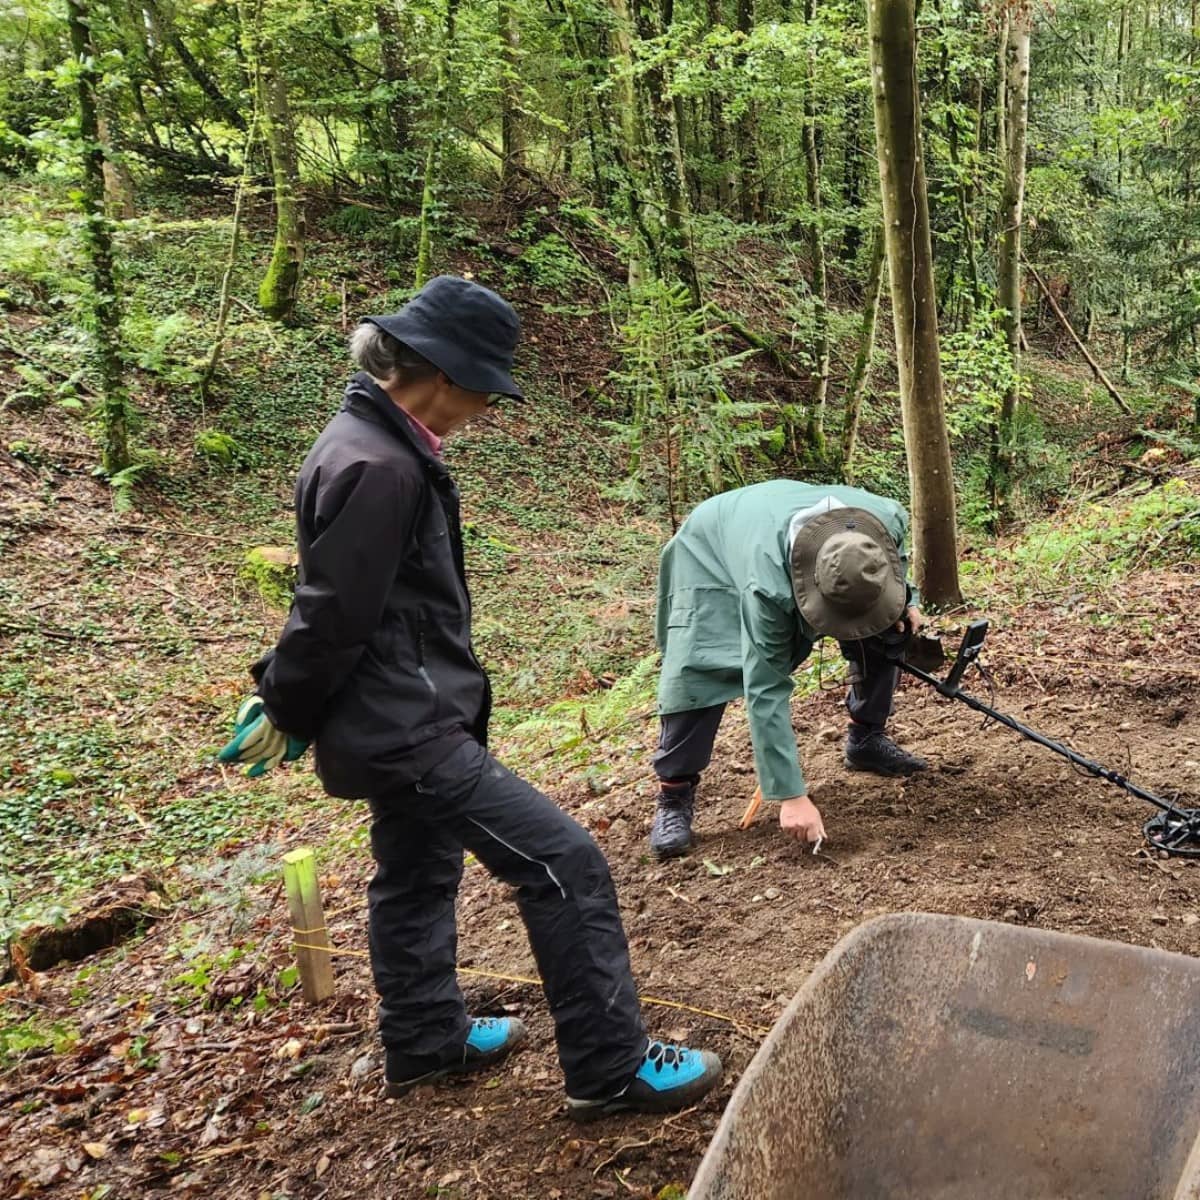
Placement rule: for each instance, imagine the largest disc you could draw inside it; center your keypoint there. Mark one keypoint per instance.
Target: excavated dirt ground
(208, 1100)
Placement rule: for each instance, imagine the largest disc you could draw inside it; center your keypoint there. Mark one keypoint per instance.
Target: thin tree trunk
(280, 287)
(718, 130)
(203, 80)
(106, 303)
(663, 138)
(433, 152)
(512, 139)
(118, 183)
(910, 266)
(859, 376)
(816, 241)
(1016, 91)
(225, 299)
(750, 195)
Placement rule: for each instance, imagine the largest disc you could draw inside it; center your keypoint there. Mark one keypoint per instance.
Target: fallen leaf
(716, 869)
(95, 1149)
(322, 1166)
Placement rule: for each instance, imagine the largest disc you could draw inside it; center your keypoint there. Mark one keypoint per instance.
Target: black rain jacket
(375, 663)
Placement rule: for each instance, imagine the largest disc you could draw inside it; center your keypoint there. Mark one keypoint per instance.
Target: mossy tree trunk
(106, 303)
(910, 266)
(280, 288)
(750, 190)
(436, 134)
(661, 131)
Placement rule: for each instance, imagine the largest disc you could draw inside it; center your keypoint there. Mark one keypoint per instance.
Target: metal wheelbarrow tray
(952, 1059)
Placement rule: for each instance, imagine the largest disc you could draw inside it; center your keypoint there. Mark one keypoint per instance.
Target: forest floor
(183, 1059)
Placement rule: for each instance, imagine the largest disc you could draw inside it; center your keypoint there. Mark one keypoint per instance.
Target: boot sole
(883, 771)
(665, 1102)
(393, 1091)
(664, 855)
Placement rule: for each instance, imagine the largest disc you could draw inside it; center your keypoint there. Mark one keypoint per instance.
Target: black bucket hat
(464, 329)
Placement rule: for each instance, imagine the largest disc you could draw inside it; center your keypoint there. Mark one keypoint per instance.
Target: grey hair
(386, 359)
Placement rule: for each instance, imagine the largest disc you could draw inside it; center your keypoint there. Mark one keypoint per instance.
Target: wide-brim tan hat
(846, 575)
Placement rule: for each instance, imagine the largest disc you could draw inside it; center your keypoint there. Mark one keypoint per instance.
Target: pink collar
(430, 438)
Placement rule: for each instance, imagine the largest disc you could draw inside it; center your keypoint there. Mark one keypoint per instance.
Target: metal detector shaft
(950, 687)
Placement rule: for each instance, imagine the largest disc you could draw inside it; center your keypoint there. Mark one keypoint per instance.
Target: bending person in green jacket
(751, 581)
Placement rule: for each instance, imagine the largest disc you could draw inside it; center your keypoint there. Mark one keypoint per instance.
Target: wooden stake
(752, 809)
(308, 925)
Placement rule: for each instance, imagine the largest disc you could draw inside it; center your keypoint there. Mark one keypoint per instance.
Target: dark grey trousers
(685, 739)
(566, 898)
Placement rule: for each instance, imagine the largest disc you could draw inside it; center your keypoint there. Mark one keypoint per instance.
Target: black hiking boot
(671, 832)
(877, 753)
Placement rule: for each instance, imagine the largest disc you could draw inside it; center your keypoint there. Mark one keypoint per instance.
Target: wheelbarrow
(952, 1059)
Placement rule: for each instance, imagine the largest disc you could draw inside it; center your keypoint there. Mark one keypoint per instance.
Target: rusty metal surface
(952, 1059)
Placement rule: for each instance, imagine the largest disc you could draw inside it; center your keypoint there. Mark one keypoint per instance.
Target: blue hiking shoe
(489, 1040)
(671, 1077)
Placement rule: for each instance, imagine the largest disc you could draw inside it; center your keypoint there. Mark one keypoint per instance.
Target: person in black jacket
(375, 667)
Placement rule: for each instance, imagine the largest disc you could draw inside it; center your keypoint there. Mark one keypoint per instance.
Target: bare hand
(800, 818)
(915, 617)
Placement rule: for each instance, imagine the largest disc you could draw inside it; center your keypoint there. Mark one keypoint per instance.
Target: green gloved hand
(257, 742)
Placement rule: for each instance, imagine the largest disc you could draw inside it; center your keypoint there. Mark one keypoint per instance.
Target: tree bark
(910, 264)
(816, 243)
(1012, 201)
(106, 303)
(750, 194)
(859, 376)
(433, 153)
(396, 75)
(663, 137)
(512, 136)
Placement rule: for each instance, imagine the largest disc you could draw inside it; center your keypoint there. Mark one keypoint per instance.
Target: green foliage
(1088, 547)
(684, 431)
(552, 263)
(20, 1034)
(166, 347)
(977, 372)
(220, 449)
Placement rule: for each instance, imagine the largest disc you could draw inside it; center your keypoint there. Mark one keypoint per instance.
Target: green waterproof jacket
(727, 622)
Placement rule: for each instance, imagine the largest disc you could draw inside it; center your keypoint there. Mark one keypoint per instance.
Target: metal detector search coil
(1173, 829)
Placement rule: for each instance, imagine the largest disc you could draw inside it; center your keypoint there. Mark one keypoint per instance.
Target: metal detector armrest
(968, 652)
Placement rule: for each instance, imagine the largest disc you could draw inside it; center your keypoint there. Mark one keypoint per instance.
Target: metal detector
(1173, 829)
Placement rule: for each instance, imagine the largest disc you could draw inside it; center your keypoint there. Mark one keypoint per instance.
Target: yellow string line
(319, 929)
(736, 1022)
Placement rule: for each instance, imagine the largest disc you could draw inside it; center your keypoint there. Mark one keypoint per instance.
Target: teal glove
(257, 742)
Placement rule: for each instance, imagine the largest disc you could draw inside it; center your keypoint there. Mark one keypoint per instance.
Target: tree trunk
(663, 137)
(857, 387)
(910, 266)
(1016, 120)
(106, 303)
(395, 72)
(512, 135)
(750, 196)
(118, 183)
(280, 287)
(718, 130)
(433, 153)
(816, 243)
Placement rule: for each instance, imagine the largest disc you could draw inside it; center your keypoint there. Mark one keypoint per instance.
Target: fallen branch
(1091, 362)
(70, 635)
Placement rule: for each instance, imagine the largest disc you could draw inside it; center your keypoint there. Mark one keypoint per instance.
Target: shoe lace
(666, 1054)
